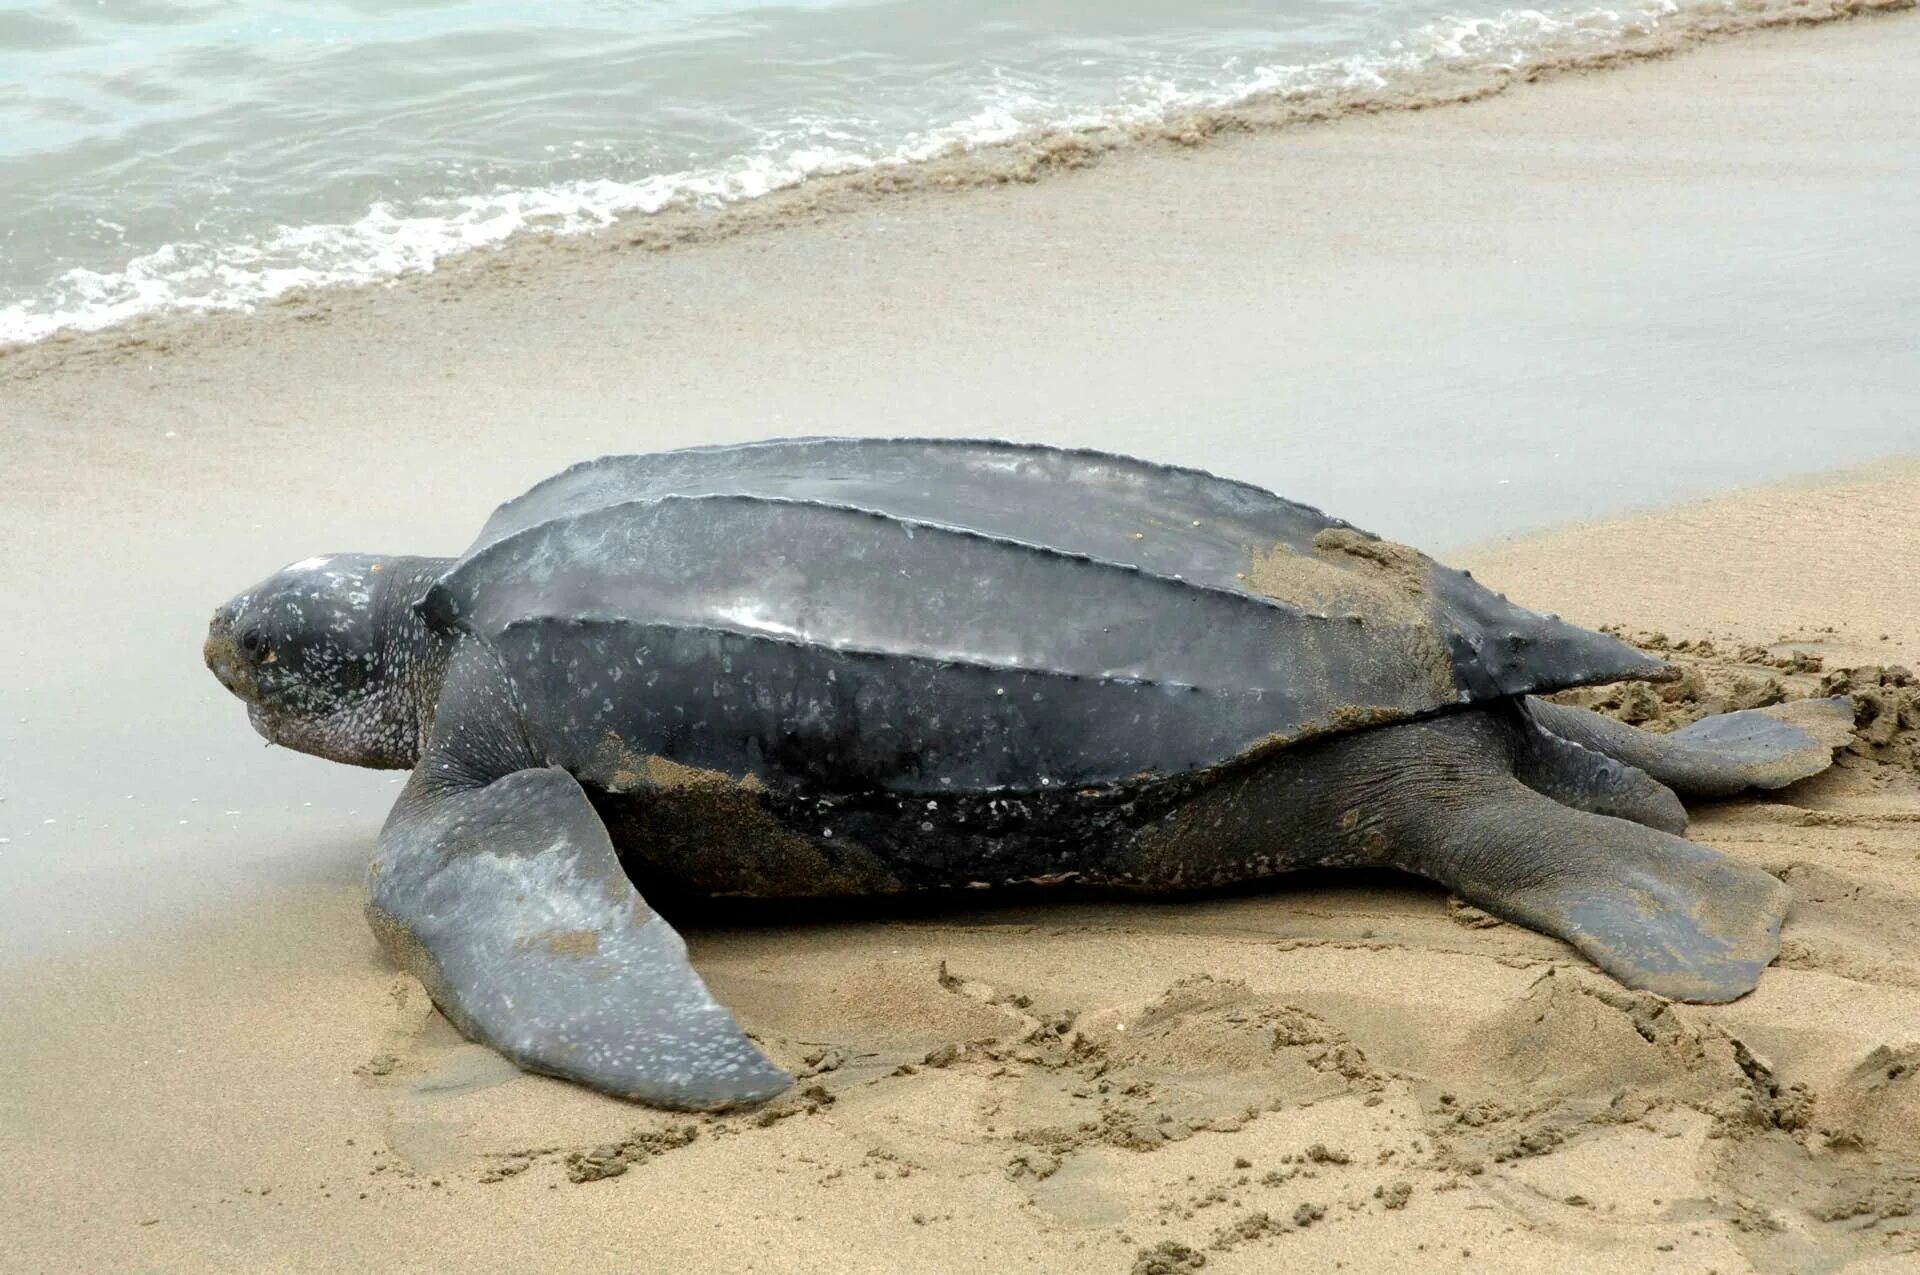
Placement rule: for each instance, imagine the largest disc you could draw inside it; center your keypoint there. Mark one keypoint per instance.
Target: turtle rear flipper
(1589, 780)
(1656, 911)
(504, 896)
(1715, 756)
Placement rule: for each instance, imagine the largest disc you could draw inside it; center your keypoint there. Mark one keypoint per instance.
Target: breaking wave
(1442, 61)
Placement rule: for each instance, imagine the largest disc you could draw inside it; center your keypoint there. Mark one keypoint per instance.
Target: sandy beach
(1634, 345)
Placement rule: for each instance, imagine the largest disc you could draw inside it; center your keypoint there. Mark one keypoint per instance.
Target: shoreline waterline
(1460, 62)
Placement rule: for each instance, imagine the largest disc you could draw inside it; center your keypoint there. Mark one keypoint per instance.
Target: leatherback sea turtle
(821, 667)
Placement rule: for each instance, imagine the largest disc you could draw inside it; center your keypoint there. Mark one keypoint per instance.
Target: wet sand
(1600, 293)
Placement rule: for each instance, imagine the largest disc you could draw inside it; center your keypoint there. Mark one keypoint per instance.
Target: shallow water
(194, 154)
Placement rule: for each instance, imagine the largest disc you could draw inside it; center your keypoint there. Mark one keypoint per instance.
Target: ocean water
(209, 154)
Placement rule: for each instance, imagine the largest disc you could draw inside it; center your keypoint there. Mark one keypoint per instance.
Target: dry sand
(211, 1066)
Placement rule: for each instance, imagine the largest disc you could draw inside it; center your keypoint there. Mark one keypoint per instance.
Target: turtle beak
(223, 655)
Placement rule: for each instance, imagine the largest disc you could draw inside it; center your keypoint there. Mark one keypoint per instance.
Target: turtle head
(330, 658)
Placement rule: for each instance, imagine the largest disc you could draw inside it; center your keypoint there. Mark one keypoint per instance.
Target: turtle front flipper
(1716, 756)
(502, 893)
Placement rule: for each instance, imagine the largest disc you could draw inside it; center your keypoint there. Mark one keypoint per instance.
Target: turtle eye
(255, 644)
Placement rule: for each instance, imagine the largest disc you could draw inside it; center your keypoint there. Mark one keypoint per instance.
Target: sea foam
(395, 238)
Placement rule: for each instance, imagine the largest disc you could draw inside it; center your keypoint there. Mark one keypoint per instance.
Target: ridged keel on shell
(930, 615)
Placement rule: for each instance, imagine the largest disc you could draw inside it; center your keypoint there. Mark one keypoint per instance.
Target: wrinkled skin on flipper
(495, 883)
(1655, 911)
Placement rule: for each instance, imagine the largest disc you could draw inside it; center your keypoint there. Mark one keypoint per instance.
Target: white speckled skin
(331, 659)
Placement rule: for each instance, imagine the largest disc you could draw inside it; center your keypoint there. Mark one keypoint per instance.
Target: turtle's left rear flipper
(1655, 911)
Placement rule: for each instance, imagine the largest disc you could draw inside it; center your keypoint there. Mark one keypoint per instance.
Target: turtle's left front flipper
(508, 903)
(504, 896)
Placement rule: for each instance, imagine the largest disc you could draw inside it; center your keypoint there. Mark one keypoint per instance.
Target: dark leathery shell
(845, 615)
